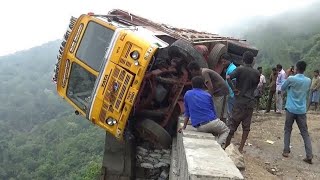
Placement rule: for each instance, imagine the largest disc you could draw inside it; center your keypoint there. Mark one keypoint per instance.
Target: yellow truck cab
(116, 67)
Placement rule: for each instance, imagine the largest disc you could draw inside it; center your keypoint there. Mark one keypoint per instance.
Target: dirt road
(264, 160)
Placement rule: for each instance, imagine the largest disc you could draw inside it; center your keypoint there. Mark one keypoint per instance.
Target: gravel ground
(264, 160)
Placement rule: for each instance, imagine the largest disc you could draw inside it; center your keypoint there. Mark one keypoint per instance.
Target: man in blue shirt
(215, 84)
(297, 88)
(200, 109)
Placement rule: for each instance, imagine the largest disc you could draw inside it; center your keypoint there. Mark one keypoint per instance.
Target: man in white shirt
(279, 94)
(260, 88)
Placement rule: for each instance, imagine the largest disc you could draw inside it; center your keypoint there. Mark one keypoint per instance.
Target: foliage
(40, 138)
(284, 39)
(287, 38)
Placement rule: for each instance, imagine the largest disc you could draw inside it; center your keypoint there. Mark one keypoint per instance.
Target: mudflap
(118, 160)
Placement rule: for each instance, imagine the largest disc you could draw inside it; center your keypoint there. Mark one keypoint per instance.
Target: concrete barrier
(197, 156)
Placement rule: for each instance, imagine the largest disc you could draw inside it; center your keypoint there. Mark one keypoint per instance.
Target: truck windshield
(94, 44)
(80, 87)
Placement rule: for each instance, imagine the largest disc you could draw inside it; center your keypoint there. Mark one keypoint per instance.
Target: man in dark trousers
(200, 109)
(247, 81)
(297, 87)
(272, 89)
(260, 89)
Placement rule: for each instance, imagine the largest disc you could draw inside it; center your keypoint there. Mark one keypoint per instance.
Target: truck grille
(117, 88)
(124, 57)
(125, 79)
(127, 49)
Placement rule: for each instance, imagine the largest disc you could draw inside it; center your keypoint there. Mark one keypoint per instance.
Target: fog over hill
(40, 138)
(285, 38)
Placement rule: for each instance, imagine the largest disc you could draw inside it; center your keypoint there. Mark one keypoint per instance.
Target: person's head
(260, 69)
(197, 82)
(225, 59)
(274, 70)
(292, 68)
(248, 58)
(316, 73)
(279, 67)
(194, 69)
(301, 67)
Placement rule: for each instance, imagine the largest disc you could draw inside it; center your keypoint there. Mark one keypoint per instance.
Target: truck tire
(171, 126)
(215, 54)
(151, 131)
(236, 59)
(184, 49)
(238, 48)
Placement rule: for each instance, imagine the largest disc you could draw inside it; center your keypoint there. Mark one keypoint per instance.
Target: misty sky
(30, 23)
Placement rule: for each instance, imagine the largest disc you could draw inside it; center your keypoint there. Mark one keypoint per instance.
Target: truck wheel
(215, 54)
(183, 49)
(171, 127)
(151, 131)
(236, 59)
(238, 48)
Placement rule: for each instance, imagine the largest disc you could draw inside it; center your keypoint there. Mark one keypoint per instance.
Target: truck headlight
(135, 55)
(111, 121)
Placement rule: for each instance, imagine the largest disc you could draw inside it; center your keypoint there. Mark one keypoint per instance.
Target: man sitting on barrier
(215, 85)
(200, 109)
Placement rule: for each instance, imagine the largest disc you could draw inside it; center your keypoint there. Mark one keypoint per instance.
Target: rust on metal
(193, 36)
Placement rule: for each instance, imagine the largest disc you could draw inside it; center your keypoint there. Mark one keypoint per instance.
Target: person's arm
(285, 85)
(229, 78)
(263, 83)
(310, 90)
(185, 123)
(278, 80)
(284, 77)
(186, 114)
(208, 82)
(288, 73)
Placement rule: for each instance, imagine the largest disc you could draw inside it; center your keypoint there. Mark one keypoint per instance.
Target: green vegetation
(288, 38)
(40, 138)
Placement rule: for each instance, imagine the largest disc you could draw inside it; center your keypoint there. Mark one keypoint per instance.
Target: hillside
(285, 38)
(40, 138)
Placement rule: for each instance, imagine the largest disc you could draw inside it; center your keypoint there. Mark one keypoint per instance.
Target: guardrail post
(118, 160)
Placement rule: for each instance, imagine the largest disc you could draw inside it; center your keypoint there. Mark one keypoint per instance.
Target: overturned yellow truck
(128, 74)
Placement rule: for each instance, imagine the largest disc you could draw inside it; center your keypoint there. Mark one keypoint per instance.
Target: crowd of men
(239, 89)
